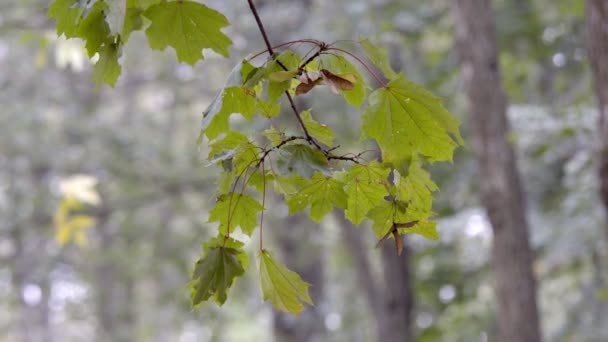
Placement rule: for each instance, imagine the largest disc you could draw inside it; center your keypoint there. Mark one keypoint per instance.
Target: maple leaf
(365, 187)
(236, 209)
(321, 132)
(223, 261)
(404, 118)
(319, 192)
(284, 288)
(188, 27)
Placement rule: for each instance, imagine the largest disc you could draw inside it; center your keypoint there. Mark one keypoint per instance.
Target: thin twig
(263, 205)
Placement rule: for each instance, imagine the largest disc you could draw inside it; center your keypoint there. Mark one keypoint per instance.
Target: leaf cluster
(388, 187)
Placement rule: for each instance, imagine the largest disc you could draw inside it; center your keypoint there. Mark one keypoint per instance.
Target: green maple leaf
(94, 29)
(284, 288)
(379, 57)
(415, 190)
(389, 212)
(227, 147)
(291, 61)
(274, 136)
(383, 215)
(107, 69)
(188, 27)
(267, 109)
(301, 159)
(132, 22)
(319, 192)
(404, 118)
(425, 228)
(67, 13)
(236, 209)
(231, 100)
(322, 133)
(215, 272)
(340, 65)
(365, 187)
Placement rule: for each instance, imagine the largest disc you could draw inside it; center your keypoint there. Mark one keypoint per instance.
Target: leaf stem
(263, 205)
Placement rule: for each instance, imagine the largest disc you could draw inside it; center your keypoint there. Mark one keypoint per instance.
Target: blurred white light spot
(184, 72)
(483, 337)
(559, 59)
(3, 50)
(80, 187)
(550, 34)
(333, 321)
(477, 226)
(447, 293)
(32, 294)
(424, 320)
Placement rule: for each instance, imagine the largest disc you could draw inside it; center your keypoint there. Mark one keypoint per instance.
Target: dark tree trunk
(398, 300)
(500, 185)
(391, 301)
(115, 289)
(597, 47)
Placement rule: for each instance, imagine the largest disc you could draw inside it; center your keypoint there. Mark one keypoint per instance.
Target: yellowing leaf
(319, 192)
(188, 27)
(274, 136)
(404, 119)
(366, 188)
(282, 75)
(321, 132)
(216, 271)
(284, 288)
(236, 209)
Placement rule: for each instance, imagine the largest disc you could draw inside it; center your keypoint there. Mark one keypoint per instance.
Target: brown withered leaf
(304, 88)
(395, 232)
(338, 82)
(398, 242)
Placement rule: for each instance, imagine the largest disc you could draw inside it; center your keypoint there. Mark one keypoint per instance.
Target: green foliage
(318, 131)
(106, 25)
(235, 209)
(319, 192)
(188, 27)
(408, 123)
(284, 288)
(366, 186)
(223, 260)
(404, 119)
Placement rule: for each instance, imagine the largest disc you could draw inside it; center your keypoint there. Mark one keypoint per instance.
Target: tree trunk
(597, 47)
(115, 291)
(391, 302)
(500, 185)
(398, 299)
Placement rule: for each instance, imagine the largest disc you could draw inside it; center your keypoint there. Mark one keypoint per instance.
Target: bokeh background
(132, 150)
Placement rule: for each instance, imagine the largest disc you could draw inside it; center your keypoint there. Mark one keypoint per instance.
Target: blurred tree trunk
(500, 185)
(398, 300)
(115, 289)
(597, 47)
(391, 302)
(299, 240)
